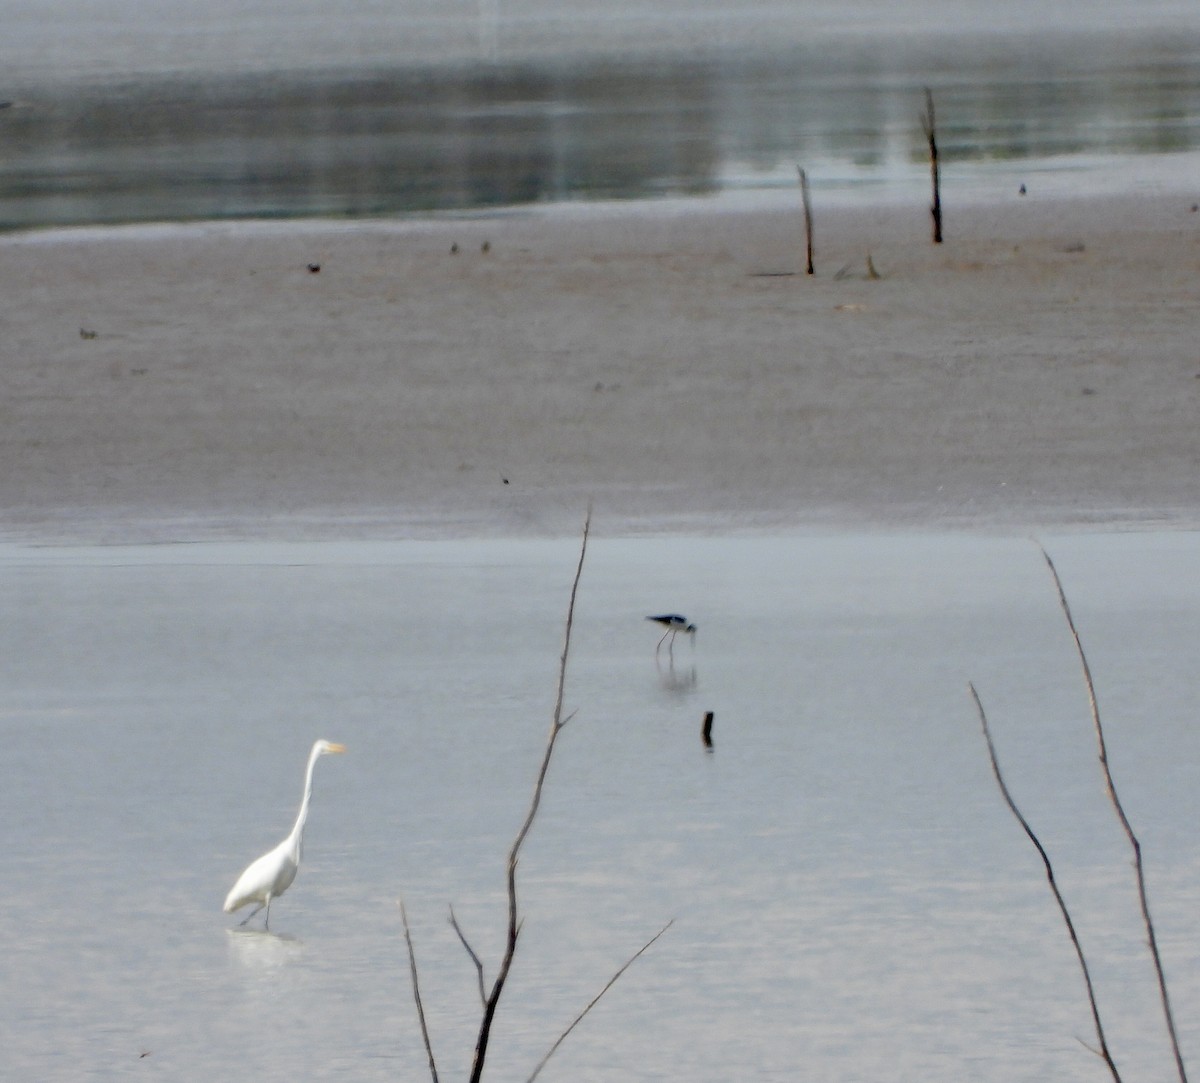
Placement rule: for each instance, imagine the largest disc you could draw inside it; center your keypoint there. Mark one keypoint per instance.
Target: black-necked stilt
(674, 624)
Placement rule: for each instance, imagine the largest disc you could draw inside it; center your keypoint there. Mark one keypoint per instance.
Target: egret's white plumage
(272, 874)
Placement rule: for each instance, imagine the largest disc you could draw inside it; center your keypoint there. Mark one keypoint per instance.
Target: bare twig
(1111, 787)
(412, 967)
(1102, 1051)
(596, 999)
(808, 223)
(557, 723)
(928, 125)
(471, 952)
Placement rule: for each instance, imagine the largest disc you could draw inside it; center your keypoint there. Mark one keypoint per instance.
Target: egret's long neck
(297, 836)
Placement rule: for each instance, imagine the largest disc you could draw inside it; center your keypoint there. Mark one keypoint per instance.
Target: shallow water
(118, 115)
(851, 899)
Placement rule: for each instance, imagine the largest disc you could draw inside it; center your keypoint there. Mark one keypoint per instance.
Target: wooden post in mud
(927, 123)
(706, 730)
(808, 242)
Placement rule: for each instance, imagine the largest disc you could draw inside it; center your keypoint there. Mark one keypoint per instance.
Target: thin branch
(1111, 787)
(412, 967)
(596, 999)
(557, 723)
(1058, 898)
(471, 952)
(808, 221)
(929, 126)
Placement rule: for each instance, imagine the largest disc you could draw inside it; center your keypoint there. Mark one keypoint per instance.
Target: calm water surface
(110, 112)
(852, 901)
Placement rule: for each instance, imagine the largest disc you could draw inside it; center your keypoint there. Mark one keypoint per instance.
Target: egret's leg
(267, 919)
(250, 915)
(661, 641)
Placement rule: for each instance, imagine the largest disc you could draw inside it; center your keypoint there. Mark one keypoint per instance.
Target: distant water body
(112, 112)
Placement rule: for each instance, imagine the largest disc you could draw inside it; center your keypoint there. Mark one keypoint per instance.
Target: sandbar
(669, 364)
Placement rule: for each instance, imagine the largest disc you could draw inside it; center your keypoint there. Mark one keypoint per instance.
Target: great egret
(272, 874)
(674, 624)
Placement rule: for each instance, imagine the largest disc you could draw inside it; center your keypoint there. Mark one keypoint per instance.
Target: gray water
(851, 899)
(115, 113)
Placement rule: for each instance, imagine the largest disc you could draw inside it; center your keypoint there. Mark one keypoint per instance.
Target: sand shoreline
(1038, 370)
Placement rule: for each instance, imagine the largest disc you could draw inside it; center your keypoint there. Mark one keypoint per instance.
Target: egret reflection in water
(261, 949)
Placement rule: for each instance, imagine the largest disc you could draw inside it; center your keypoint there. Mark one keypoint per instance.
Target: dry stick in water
(1102, 1051)
(557, 723)
(808, 232)
(412, 968)
(596, 999)
(1111, 787)
(471, 952)
(927, 124)
(492, 999)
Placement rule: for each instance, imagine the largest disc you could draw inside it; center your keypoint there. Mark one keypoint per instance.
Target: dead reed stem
(462, 938)
(490, 1000)
(928, 125)
(1103, 1050)
(557, 722)
(596, 999)
(412, 969)
(1111, 787)
(808, 221)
